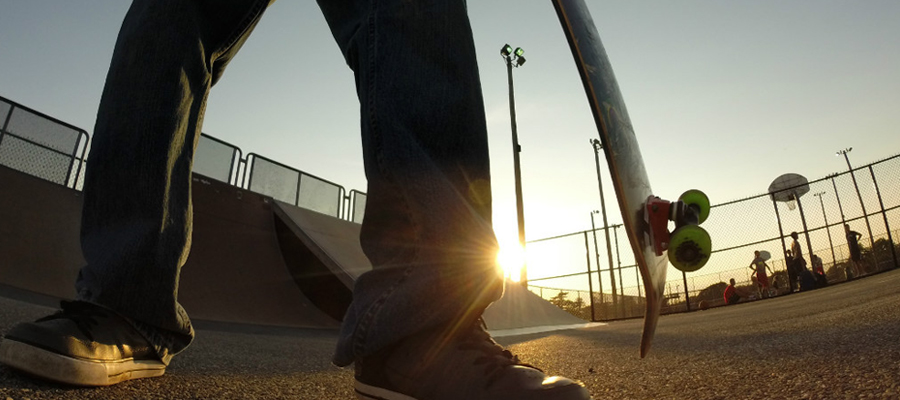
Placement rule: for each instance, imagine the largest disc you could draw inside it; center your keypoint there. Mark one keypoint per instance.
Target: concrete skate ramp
(336, 243)
(39, 228)
(235, 271)
(520, 308)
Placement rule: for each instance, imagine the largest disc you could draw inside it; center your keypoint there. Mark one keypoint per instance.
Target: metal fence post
(619, 266)
(587, 255)
(597, 256)
(862, 204)
(887, 226)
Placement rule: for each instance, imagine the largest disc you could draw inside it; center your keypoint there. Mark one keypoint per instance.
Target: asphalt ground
(839, 342)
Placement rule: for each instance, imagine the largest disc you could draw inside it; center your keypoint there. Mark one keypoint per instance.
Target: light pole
(514, 58)
(612, 276)
(827, 229)
(838, 198)
(855, 186)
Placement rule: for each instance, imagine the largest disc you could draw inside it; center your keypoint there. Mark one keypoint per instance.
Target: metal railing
(218, 159)
(40, 145)
(293, 186)
(43, 146)
(355, 206)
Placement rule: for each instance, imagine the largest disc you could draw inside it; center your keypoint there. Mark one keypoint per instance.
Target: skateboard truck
(691, 244)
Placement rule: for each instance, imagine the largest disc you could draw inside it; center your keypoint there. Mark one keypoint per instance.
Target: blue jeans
(427, 223)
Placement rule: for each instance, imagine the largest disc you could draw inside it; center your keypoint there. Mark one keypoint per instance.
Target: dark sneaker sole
(368, 392)
(59, 368)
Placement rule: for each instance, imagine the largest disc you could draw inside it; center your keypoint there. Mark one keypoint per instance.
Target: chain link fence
(606, 284)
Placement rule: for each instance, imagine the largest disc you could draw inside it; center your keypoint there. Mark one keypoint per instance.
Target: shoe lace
(83, 314)
(495, 358)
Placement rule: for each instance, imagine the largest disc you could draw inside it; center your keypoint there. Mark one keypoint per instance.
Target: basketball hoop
(788, 188)
(792, 202)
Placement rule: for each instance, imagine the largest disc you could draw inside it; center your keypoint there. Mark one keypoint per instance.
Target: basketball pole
(805, 229)
(783, 244)
(827, 228)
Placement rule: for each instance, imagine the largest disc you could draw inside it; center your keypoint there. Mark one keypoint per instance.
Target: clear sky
(724, 95)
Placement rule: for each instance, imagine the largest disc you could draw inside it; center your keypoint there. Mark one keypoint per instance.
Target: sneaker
(84, 344)
(466, 364)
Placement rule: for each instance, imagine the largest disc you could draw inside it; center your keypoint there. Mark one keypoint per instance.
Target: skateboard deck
(623, 154)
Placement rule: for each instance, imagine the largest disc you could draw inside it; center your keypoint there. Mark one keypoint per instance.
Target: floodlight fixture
(506, 50)
(519, 51)
(520, 61)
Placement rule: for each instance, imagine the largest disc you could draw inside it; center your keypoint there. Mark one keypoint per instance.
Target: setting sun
(511, 258)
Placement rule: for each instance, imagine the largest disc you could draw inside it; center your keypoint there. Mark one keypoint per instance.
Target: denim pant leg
(427, 225)
(136, 218)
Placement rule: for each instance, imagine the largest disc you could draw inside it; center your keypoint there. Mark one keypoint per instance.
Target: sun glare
(511, 258)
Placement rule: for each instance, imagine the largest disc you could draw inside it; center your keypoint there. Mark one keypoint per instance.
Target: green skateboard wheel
(698, 198)
(689, 248)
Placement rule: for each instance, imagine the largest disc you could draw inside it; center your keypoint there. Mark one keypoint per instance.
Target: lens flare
(511, 259)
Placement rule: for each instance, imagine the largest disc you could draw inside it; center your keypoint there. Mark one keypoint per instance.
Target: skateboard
(645, 216)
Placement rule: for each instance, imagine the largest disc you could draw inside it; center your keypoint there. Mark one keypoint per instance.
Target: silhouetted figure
(855, 253)
(804, 276)
(791, 271)
(818, 270)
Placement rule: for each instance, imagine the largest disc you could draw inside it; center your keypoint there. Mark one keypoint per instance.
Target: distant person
(791, 271)
(776, 284)
(759, 266)
(855, 253)
(818, 270)
(733, 294)
(414, 327)
(799, 263)
(805, 278)
(797, 252)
